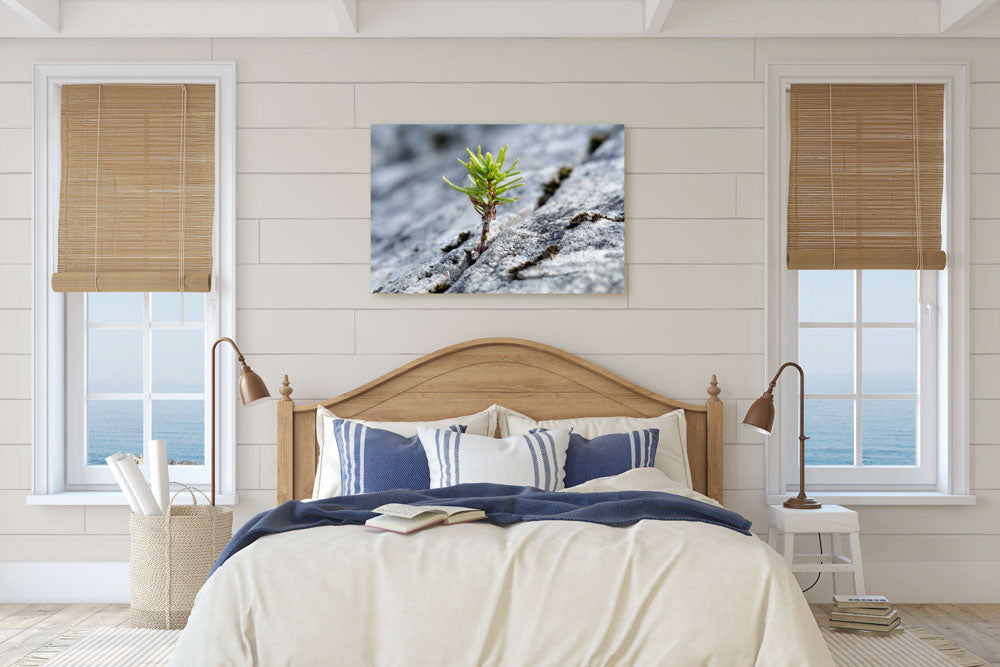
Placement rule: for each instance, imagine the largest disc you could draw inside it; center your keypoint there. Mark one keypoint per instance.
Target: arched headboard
(538, 380)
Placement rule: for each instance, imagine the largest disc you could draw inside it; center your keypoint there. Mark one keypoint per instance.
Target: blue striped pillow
(610, 454)
(535, 459)
(372, 459)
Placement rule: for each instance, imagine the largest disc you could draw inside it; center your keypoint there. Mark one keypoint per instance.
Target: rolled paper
(147, 503)
(158, 474)
(122, 482)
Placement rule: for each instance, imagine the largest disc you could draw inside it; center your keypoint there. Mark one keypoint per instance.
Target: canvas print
(498, 209)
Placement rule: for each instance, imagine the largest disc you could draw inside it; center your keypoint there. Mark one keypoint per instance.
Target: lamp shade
(760, 416)
(252, 387)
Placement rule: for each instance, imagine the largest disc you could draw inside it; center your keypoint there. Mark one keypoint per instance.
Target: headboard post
(285, 440)
(714, 445)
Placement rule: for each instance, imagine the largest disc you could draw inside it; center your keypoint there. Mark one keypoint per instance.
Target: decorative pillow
(327, 482)
(671, 452)
(532, 459)
(610, 454)
(373, 459)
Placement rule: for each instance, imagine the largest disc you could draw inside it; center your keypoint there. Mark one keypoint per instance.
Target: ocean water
(116, 426)
(888, 432)
(888, 427)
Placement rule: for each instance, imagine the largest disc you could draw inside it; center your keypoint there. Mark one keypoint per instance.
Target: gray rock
(564, 234)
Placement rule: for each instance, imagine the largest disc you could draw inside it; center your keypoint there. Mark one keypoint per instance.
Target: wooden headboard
(540, 381)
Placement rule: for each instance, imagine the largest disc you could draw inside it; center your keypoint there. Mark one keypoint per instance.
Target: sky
(889, 356)
(115, 355)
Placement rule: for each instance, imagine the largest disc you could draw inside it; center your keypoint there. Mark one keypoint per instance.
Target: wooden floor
(974, 627)
(26, 627)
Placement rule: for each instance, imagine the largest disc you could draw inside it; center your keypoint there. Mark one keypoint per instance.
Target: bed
(545, 592)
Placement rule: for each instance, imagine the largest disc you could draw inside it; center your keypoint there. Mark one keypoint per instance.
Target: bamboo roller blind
(866, 176)
(137, 194)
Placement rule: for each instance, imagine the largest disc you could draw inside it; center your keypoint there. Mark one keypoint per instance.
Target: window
(136, 371)
(861, 337)
(884, 351)
(114, 369)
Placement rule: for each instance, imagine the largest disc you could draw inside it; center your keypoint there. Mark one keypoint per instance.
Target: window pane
(194, 306)
(182, 425)
(166, 307)
(178, 360)
(114, 360)
(827, 357)
(889, 361)
(113, 426)
(889, 296)
(114, 307)
(830, 427)
(888, 432)
(826, 296)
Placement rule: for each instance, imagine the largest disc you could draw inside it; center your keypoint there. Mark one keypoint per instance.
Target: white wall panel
(421, 60)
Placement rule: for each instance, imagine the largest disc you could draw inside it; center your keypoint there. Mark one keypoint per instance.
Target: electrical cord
(818, 574)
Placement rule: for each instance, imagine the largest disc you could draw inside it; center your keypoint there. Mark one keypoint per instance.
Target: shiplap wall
(694, 305)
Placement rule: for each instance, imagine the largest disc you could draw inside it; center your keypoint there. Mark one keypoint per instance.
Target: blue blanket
(503, 505)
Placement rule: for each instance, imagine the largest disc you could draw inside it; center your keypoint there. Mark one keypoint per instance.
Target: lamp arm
(802, 394)
(239, 356)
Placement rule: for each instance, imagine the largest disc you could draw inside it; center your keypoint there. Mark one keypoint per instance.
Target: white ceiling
(498, 18)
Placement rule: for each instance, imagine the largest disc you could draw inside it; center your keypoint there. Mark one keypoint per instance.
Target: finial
(285, 390)
(713, 389)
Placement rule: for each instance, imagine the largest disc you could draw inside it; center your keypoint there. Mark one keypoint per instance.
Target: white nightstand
(832, 519)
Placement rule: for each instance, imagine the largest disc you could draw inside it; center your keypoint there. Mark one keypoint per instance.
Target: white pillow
(535, 459)
(639, 479)
(671, 452)
(327, 482)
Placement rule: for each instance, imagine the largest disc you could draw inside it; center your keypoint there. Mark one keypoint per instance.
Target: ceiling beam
(44, 13)
(347, 14)
(957, 14)
(656, 15)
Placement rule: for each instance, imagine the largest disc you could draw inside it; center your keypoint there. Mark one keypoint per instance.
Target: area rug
(915, 648)
(100, 647)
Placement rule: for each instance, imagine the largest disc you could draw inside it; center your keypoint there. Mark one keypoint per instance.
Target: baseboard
(58, 582)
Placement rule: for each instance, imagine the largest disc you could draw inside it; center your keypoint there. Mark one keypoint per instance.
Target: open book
(400, 518)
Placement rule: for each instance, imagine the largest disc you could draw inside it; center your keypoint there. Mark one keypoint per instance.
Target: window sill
(856, 498)
(111, 498)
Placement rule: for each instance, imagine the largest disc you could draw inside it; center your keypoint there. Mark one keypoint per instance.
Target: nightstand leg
(835, 549)
(789, 547)
(772, 537)
(859, 574)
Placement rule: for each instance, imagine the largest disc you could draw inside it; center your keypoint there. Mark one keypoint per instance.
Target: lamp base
(802, 504)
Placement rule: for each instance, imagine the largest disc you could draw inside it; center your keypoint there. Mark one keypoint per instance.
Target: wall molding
(64, 582)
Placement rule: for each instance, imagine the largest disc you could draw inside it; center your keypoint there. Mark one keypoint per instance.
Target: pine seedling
(488, 182)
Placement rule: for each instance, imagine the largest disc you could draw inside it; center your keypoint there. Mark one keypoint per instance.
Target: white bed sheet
(540, 593)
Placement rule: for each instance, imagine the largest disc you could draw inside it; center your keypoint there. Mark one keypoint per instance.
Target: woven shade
(137, 193)
(866, 176)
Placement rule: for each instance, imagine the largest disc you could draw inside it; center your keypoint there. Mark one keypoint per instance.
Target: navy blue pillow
(372, 459)
(610, 454)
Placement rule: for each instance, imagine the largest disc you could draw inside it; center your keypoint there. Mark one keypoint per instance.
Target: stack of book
(864, 613)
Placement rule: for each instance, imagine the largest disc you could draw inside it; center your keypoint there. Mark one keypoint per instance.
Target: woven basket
(170, 559)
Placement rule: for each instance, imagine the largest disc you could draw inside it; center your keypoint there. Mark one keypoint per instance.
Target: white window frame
(83, 477)
(49, 337)
(923, 475)
(949, 302)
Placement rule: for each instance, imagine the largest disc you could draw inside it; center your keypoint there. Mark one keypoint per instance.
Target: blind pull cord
(180, 238)
(833, 204)
(916, 184)
(97, 188)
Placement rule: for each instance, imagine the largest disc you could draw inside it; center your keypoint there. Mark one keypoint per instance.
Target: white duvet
(538, 593)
